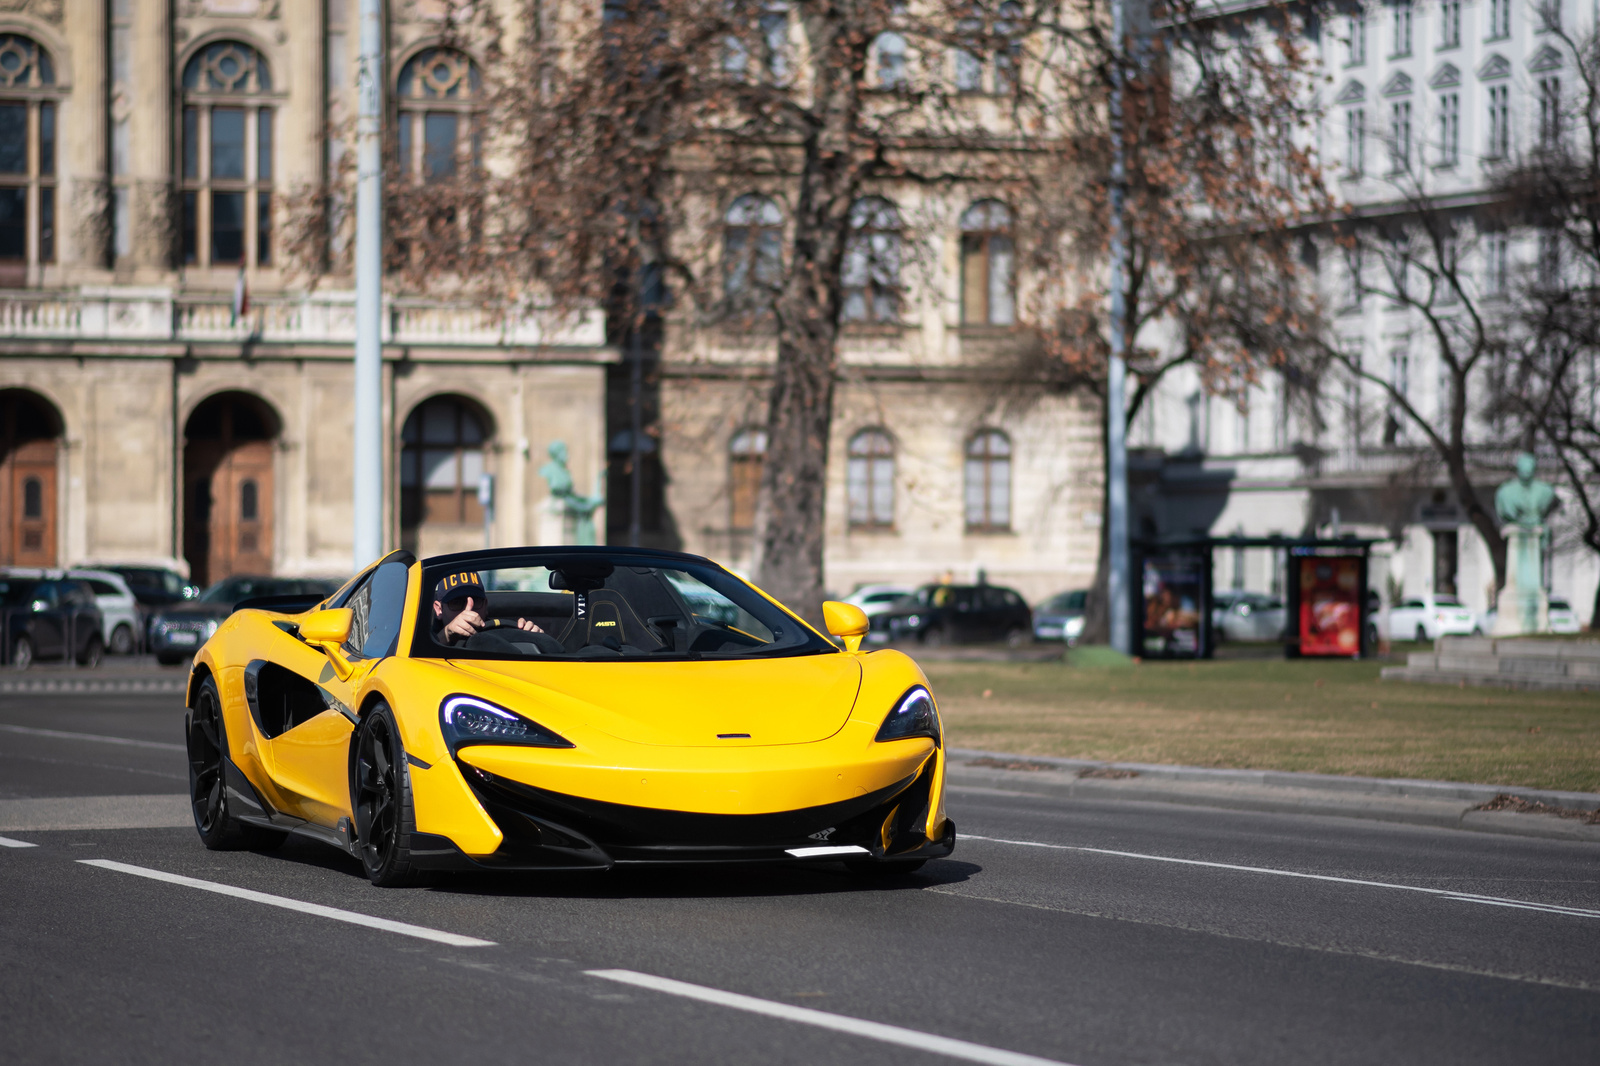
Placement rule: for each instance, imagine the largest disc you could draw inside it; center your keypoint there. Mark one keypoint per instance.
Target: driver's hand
(466, 623)
(523, 623)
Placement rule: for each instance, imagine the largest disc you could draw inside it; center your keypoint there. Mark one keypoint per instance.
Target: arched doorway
(30, 436)
(227, 487)
(442, 448)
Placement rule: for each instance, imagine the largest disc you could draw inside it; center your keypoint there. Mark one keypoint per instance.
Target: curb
(1440, 804)
(57, 686)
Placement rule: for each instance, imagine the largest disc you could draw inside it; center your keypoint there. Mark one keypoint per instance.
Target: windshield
(600, 606)
(1066, 603)
(13, 591)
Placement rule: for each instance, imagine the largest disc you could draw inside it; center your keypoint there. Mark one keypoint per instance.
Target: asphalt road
(1143, 933)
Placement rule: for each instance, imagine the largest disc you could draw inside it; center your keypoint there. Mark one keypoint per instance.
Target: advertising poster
(1172, 592)
(1330, 605)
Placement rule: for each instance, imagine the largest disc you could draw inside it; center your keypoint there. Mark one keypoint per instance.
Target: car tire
(93, 652)
(380, 796)
(1422, 633)
(122, 641)
(934, 637)
(22, 653)
(206, 740)
(1016, 638)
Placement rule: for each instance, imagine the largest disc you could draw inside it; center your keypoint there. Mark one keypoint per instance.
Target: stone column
(153, 212)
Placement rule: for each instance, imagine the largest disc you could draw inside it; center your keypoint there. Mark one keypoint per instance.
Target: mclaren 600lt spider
(562, 709)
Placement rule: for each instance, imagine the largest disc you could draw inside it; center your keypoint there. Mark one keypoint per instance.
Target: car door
(45, 621)
(964, 614)
(310, 756)
(1403, 619)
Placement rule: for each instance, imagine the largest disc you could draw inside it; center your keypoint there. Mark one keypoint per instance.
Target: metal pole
(367, 528)
(635, 431)
(1118, 588)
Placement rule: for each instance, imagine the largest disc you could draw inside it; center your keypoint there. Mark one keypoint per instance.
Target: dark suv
(178, 631)
(48, 618)
(955, 614)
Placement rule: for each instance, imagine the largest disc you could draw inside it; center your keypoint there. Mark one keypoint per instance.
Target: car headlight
(913, 716)
(469, 720)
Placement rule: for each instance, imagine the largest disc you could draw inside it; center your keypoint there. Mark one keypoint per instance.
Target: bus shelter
(1327, 608)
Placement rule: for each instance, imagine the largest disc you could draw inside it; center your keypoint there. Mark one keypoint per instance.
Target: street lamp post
(367, 527)
(1117, 585)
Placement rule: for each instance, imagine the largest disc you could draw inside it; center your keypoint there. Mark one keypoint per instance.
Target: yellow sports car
(562, 709)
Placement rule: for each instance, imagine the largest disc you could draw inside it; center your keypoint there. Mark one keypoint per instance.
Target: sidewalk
(1442, 804)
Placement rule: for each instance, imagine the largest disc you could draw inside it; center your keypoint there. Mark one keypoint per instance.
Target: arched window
(227, 157)
(439, 96)
(747, 451)
(988, 482)
(869, 480)
(988, 265)
(871, 273)
(27, 158)
(752, 252)
(889, 50)
(441, 460)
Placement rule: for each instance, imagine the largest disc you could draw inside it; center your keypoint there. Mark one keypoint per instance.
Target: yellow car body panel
(654, 737)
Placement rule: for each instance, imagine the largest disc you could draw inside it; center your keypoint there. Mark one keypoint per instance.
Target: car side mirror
(845, 620)
(327, 627)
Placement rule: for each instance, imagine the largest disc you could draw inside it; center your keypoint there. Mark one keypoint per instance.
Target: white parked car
(875, 599)
(118, 609)
(1431, 617)
(1563, 619)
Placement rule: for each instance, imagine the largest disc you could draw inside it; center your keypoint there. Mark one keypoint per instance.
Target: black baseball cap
(460, 585)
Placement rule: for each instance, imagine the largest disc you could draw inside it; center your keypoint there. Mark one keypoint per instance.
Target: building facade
(171, 388)
(1424, 99)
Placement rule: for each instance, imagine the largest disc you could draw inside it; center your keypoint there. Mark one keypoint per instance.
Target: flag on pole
(241, 299)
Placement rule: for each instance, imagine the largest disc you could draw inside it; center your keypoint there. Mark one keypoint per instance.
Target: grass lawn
(1333, 717)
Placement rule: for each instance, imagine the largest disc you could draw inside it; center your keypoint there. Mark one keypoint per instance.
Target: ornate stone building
(170, 390)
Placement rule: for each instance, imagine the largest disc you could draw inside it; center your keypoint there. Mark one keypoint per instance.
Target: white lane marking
(338, 915)
(1443, 893)
(889, 1034)
(7, 842)
(61, 734)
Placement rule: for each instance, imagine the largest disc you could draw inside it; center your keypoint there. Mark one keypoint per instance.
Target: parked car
(1061, 616)
(153, 587)
(120, 627)
(1563, 619)
(48, 618)
(1431, 617)
(950, 614)
(875, 599)
(176, 631)
(1249, 616)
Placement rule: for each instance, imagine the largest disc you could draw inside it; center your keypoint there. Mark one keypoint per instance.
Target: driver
(457, 601)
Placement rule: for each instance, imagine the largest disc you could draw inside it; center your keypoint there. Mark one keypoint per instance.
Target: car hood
(796, 700)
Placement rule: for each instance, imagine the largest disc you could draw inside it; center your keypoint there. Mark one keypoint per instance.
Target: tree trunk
(1483, 520)
(794, 480)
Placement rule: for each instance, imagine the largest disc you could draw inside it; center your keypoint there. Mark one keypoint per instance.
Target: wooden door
(28, 504)
(241, 511)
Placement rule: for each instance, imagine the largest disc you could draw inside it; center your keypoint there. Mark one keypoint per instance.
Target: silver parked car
(1247, 616)
(119, 610)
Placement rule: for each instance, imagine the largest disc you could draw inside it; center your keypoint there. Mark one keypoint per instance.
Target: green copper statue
(1523, 503)
(577, 510)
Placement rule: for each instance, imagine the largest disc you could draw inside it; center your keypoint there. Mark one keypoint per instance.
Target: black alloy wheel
(380, 795)
(206, 740)
(22, 653)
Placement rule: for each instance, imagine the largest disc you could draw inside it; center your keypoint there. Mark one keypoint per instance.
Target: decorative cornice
(1445, 77)
(1399, 85)
(1494, 68)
